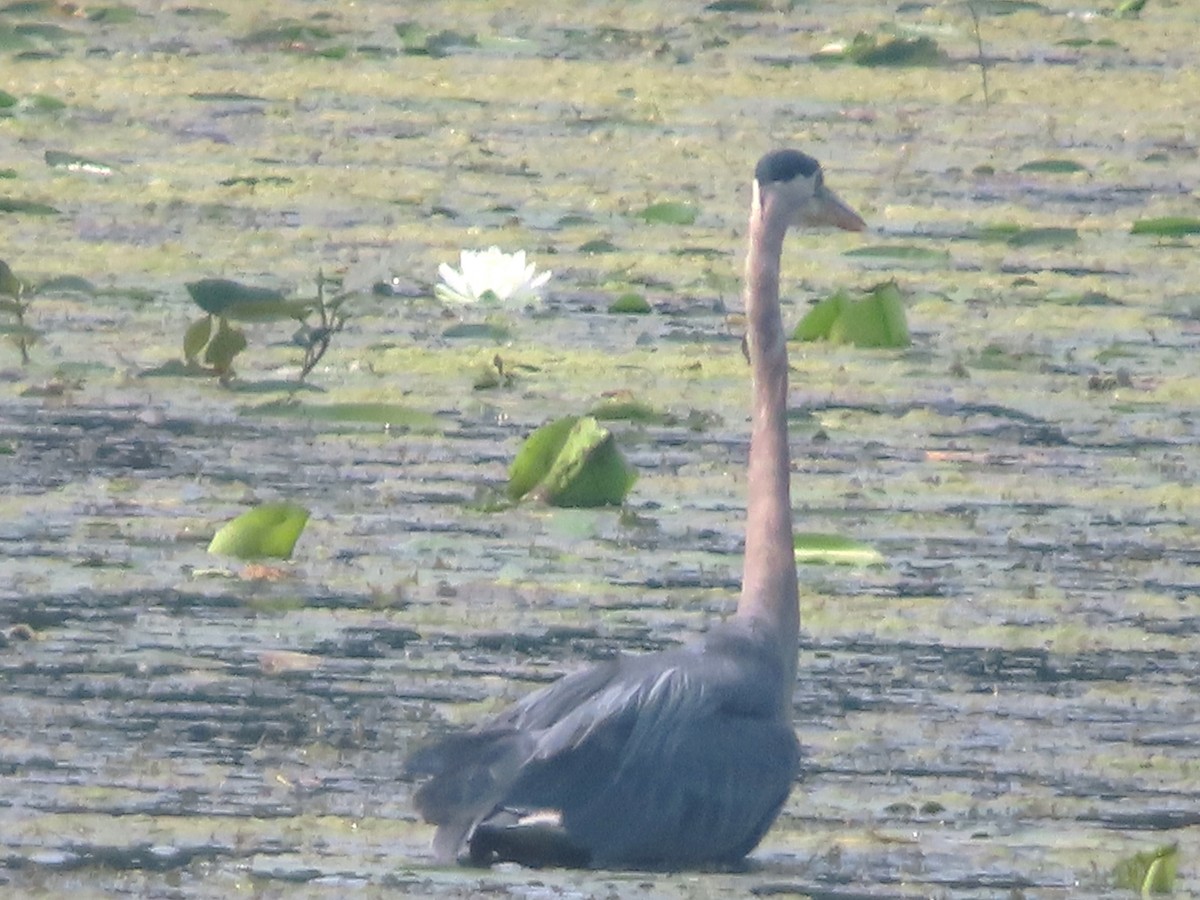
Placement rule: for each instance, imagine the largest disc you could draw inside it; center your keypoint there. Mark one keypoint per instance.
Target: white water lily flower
(491, 275)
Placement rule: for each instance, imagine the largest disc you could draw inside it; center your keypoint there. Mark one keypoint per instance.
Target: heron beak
(827, 208)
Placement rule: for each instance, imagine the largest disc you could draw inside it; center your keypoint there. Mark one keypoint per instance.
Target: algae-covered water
(1007, 707)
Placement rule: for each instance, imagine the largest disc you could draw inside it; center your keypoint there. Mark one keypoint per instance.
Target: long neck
(769, 591)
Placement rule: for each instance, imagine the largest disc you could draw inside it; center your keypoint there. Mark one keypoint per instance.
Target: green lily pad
(267, 531)
(227, 343)
(196, 338)
(488, 331)
(869, 50)
(628, 411)
(389, 415)
(9, 283)
(1007, 7)
(73, 162)
(12, 205)
(598, 245)
(875, 320)
(220, 96)
(818, 548)
(670, 212)
(113, 15)
(630, 304)
(66, 284)
(901, 253)
(1150, 872)
(243, 303)
(571, 462)
(1052, 166)
(536, 456)
(1043, 237)
(1167, 226)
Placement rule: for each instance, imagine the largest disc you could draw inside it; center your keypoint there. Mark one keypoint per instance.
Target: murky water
(1006, 709)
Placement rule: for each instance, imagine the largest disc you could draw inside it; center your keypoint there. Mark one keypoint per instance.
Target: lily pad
(1167, 226)
(219, 96)
(598, 245)
(389, 415)
(901, 253)
(571, 462)
(670, 212)
(12, 205)
(196, 338)
(1052, 166)
(630, 304)
(818, 548)
(72, 162)
(267, 531)
(1150, 872)
(628, 411)
(489, 331)
(875, 320)
(9, 283)
(869, 50)
(1043, 237)
(227, 343)
(243, 303)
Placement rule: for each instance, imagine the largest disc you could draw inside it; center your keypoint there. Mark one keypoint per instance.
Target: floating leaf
(11, 205)
(740, 6)
(72, 162)
(670, 212)
(1052, 166)
(628, 411)
(815, 547)
(572, 461)
(227, 343)
(875, 320)
(389, 415)
(67, 284)
(418, 41)
(255, 180)
(1129, 9)
(218, 96)
(1007, 7)
(589, 469)
(270, 530)
(289, 33)
(1043, 237)
(1150, 872)
(9, 283)
(196, 337)
(44, 103)
(901, 252)
(599, 245)
(113, 15)
(1167, 226)
(630, 304)
(536, 456)
(488, 331)
(243, 303)
(869, 50)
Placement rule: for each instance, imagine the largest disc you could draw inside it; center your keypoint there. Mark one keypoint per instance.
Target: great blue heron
(675, 759)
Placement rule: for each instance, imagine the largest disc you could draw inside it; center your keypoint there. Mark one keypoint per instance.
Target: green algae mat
(998, 687)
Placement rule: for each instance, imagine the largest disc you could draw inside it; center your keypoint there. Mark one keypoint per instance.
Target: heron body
(681, 758)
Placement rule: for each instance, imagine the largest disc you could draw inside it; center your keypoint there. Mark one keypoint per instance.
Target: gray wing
(674, 758)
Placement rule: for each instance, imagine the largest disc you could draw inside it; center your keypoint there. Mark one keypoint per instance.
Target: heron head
(794, 179)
